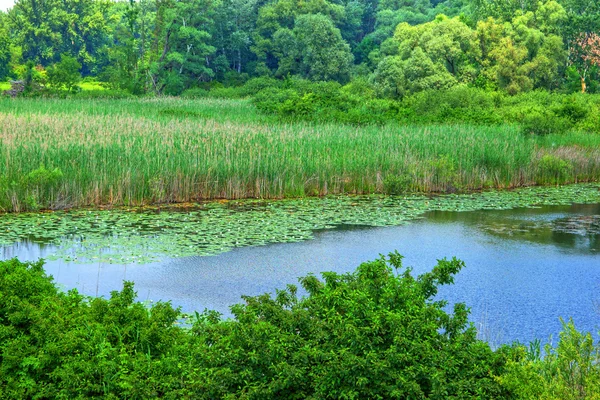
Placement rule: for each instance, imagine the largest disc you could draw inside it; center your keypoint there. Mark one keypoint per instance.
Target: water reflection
(575, 227)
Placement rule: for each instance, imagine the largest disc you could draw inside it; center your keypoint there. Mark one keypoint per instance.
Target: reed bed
(65, 153)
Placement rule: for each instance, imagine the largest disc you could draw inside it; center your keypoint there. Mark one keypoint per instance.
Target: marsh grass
(162, 150)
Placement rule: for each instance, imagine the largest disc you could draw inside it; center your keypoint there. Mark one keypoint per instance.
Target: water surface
(525, 268)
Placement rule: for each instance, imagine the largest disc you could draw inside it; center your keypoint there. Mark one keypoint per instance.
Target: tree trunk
(583, 85)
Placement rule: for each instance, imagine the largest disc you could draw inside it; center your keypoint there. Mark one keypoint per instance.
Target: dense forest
(398, 47)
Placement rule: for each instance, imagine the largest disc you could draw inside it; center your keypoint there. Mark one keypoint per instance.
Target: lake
(525, 268)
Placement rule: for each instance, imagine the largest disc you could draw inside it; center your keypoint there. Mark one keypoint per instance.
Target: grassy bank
(61, 153)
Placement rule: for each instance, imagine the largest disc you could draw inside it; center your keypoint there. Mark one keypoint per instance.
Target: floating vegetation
(145, 235)
(579, 225)
(547, 230)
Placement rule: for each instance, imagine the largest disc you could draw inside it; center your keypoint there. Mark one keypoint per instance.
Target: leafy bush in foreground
(375, 333)
(364, 335)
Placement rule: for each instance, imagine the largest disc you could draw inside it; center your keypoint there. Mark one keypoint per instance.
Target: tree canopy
(167, 46)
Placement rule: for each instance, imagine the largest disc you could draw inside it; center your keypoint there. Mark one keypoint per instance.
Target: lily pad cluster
(146, 235)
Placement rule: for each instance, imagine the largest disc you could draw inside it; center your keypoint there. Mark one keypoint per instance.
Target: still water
(525, 268)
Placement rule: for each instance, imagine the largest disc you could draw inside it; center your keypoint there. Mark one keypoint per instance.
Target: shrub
(543, 122)
(64, 74)
(396, 184)
(571, 371)
(255, 85)
(574, 108)
(269, 100)
(554, 169)
(225, 93)
(375, 333)
(195, 93)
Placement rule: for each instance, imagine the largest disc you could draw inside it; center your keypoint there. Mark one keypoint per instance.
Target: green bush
(64, 74)
(225, 93)
(571, 371)
(269, 100)
(255, 85)
(544, 122)
(298, 99)
(195, 93)
(376, 333)
(397, 184)
(63, 345)
(537, 112)
(458, 104)
(555, 170)
(574, 108)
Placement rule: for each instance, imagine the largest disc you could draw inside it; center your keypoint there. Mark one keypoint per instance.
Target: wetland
(532, 255)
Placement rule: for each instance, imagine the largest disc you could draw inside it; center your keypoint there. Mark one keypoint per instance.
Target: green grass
(158, 150)
(91, 85)
(86, 86)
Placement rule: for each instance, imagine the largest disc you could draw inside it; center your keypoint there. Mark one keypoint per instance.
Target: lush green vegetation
(403, 47)
(376, 333)
(286, 99)
(63, 153)
(539, 112)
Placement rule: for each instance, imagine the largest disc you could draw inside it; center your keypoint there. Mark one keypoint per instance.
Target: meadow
(60, 153)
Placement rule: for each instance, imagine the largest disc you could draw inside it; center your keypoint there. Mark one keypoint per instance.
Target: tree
(421, 73)
(524, 53)
(431, 56)
(451, 43)
(47, 29)
(584, 54)
(283, 14)
(4, 48)
(134, 35)
(389, 77)
(234, 21)
(287, 50)
(510, 67)
(502, 9)
(580, 31)
(64, 74)
(183, 31)
(324, 55)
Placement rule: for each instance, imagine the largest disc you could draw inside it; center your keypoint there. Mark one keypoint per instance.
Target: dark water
(525, 268)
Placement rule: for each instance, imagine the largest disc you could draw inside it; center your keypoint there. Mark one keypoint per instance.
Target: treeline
(400, 47)
(376, 333)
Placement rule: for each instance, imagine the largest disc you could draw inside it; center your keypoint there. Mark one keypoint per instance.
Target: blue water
(524, 268)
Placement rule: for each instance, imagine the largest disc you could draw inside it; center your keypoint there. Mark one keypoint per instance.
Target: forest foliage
(399, 47)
